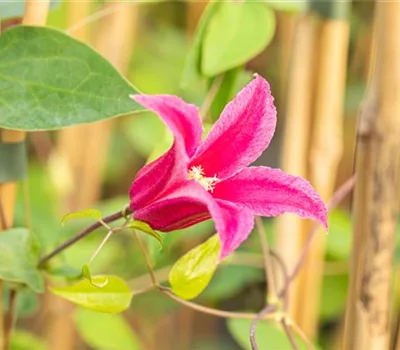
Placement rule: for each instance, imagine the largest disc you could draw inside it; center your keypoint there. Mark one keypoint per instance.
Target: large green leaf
(268, 335)
(49, 80)
(191, 274)
(113, 297)
(105, 331)
(18, 259)
(236, 32)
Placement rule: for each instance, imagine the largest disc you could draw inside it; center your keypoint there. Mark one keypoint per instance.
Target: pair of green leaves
(109, 294)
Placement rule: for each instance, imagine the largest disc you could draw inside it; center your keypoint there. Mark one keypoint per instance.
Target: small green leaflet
(49, 81)
(98, 281)
(146, 228)
(19, 258)
(235, 33)
(105, 331)
(83, 214)
(114, 297)
(191, 274)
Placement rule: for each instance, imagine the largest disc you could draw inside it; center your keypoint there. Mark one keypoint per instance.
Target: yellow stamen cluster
(197, 173)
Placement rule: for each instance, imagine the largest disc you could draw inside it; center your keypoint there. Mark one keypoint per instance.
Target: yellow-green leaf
(83, 214)
(192, 272)
(113, 297)
(146, 228)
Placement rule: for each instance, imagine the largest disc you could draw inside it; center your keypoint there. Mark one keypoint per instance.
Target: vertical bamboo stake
(60, 330)
(367, 323)
(194, 11)
(35, 14)
(295, 138)
(84, 148)
(285, 33)
(326, 145)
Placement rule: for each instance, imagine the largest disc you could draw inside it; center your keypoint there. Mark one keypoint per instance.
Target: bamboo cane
(367, 323)
(194, 11)
(295, 139)
(325, 151)
(84, 148)
(35, 14)
(285, 34)
(60, 330)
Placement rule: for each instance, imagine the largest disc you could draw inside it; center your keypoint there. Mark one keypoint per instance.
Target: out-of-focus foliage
(18, 259)
(269, 335)
(339, 235)
(104, 331)
(22, 340)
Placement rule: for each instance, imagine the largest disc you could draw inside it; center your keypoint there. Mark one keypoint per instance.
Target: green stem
(146, 258)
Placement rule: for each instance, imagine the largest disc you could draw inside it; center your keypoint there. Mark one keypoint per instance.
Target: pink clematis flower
(197, 180)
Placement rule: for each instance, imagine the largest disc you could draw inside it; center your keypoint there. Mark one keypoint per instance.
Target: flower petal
(271, 192)
(241, 134)
(233, 224)
(191, 204)
(181, 118)
(159, 177)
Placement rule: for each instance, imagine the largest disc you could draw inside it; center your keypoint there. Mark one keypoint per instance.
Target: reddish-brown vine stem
(111, 218)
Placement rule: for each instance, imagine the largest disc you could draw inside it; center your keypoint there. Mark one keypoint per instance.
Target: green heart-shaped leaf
(191, 274)
(113, 297)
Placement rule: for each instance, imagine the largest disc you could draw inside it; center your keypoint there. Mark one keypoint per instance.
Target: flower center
(197, 173)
